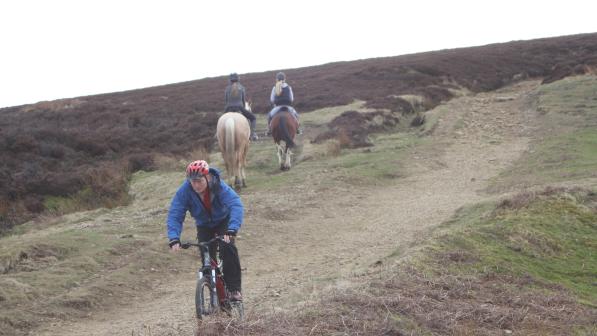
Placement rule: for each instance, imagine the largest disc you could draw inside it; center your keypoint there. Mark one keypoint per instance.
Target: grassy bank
(566, 148)
(71, 266)
(523, 266)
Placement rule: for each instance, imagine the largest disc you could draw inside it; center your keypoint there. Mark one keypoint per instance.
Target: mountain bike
(211, 295)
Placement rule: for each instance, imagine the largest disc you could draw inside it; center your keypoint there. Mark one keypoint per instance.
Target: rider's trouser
(228, 253)
(279, 108)
(250, 116)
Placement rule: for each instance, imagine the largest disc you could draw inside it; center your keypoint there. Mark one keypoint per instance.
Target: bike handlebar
(185, 245)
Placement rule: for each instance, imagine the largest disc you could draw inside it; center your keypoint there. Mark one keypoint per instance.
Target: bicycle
(211, 294)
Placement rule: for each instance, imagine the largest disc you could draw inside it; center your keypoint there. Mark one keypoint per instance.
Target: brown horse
(233, 138)
(283, 126)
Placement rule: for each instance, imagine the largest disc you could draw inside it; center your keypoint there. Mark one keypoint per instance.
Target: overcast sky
(54, 49)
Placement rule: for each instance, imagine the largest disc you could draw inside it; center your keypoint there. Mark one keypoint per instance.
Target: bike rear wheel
(206, 299)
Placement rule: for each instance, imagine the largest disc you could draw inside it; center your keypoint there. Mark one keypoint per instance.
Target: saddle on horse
(282, 108)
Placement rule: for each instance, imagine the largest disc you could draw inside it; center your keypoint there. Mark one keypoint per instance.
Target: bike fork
(213, 279)
(214, 296)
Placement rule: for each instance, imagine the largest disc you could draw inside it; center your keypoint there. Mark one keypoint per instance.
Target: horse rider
(217, 210)
(235, 102)
(282, 98)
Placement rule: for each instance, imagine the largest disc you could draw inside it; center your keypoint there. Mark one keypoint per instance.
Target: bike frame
(211, 272)
(211, 267)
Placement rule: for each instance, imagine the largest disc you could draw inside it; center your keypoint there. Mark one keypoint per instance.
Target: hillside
(76, 154)
(471, 224)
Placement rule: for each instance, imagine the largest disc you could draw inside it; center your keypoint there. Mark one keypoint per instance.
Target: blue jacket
(226, 207)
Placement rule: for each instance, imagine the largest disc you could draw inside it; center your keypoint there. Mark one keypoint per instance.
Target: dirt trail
(299, 240)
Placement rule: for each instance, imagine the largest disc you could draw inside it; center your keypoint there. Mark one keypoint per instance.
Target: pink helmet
(197, 169)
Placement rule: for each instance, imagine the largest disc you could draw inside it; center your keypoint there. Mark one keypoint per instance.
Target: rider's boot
(254, 136)
(236, 296)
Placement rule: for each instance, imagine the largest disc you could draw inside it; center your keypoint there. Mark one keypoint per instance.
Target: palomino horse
(283, 126)
(233, 138)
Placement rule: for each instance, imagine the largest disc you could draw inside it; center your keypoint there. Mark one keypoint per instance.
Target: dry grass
(524, 199)
(451, 289)
(201, 153)
(408, 302)
(334, 148)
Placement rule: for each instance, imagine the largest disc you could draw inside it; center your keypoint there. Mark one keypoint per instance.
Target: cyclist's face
(200, 184)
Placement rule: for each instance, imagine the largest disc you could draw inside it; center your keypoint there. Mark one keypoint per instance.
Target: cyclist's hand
(174, 245)
(229, 236)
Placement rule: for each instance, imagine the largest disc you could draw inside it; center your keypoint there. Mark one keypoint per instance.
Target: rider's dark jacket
(286, 97)
(234, 99)
(226, 207)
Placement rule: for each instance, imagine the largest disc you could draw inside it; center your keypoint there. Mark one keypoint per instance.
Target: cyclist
(281, 97)
(235, 101)
(217, 210)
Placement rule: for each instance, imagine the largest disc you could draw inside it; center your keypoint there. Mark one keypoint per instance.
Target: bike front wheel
(206, 299)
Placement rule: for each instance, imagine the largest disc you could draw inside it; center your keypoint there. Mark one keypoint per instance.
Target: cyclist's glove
(174, 242)
(232, 235)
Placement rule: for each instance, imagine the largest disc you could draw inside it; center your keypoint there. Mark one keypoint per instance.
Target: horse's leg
(243, 164)
(237, 184)
(243, 177)
(280, 156)
(288, 157)
(286, 164)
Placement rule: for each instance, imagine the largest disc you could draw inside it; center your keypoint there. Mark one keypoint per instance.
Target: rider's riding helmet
(234, 77)
(280, 76)
(197, 169)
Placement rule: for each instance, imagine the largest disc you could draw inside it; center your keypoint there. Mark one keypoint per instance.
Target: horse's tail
(285, 132)
(230, 152)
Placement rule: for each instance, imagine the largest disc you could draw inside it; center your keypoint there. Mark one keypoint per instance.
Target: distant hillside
(82, 150)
